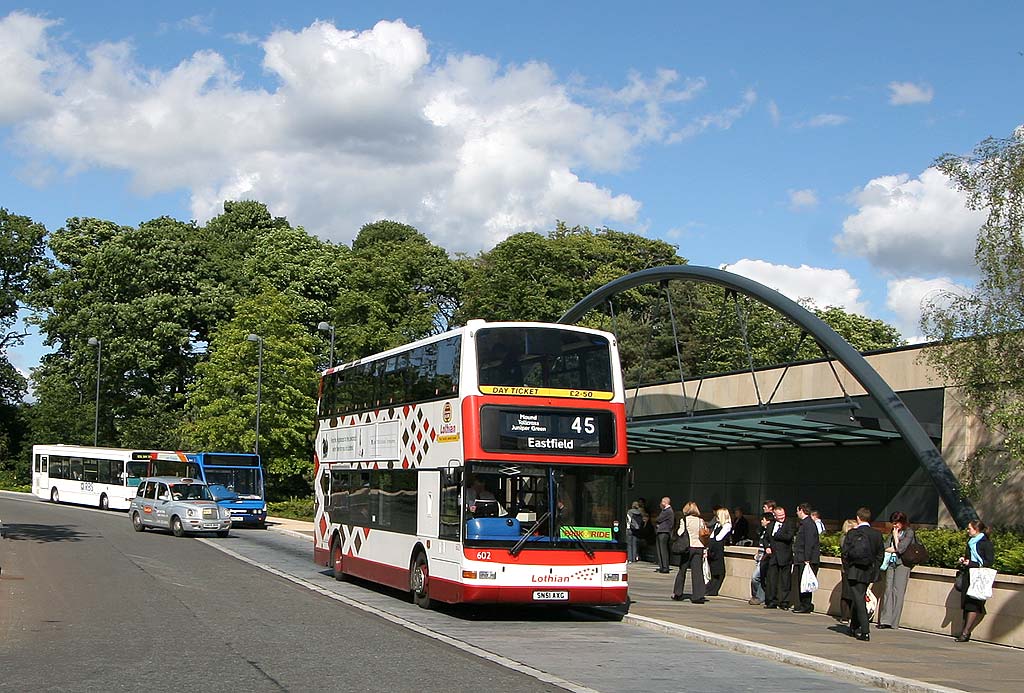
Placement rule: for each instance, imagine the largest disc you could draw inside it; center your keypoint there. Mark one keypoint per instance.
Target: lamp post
(259, 384)
(324, 327)
(96, 342)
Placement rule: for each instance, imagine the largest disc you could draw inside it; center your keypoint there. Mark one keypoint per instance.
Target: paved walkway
(814, 640)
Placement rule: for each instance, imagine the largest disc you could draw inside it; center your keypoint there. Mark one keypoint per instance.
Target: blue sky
(791, 142)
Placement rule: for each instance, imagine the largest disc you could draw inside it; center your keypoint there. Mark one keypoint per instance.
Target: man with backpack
(862, 553)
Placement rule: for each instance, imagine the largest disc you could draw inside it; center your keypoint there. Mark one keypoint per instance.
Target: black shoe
(802, 610)
(677, 597)
(864, 636)
(963, 638)
(771, 606)
(784, 606)
(698, 601)
(666, 570)
(884, 626)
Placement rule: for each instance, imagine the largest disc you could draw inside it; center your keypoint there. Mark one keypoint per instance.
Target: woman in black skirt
(978, 554)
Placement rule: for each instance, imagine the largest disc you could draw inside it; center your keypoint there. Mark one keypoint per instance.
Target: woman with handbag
(692, 527)
(897, 574)
(979, 554)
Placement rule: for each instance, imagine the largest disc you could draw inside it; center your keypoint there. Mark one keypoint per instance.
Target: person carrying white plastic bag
(808, 581)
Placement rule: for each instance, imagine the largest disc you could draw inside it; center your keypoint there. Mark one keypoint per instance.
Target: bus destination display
(546, 432)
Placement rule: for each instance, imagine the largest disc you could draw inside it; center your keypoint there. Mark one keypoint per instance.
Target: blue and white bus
(236, 481)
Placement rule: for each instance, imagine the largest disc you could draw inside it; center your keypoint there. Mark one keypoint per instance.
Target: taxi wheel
(104, 502)
(177, 527)
(419, 577)
(137, 523)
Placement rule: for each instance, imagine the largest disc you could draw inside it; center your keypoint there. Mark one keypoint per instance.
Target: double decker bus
(236, 482)
(105, 477)
(487, 464)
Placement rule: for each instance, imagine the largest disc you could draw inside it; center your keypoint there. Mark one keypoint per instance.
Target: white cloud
(906, 296)
(904, 93)
(355, 126)
(826, 287)
(802, 199)
(26, 60)
(774, 113)
(822, 120)
(918, 225)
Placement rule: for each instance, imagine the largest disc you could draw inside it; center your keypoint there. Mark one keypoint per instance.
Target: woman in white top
(691, 524)
(720, 532)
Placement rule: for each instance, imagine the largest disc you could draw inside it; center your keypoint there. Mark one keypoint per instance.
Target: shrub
(293, 508)
(945, 546)
(830, 543)
(9, 482)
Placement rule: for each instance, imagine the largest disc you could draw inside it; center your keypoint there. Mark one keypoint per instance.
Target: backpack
(858, 550)
(634, 522)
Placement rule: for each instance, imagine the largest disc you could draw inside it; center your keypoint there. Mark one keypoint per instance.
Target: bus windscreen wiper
(522, 540)
(575, 535)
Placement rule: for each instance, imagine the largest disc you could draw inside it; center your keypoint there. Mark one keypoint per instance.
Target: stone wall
(931, 603)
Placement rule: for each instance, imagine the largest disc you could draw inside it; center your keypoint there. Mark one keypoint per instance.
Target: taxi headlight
(191, 512)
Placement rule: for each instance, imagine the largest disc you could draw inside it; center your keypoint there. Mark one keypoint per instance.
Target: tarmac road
(101, 607)
(87, 604)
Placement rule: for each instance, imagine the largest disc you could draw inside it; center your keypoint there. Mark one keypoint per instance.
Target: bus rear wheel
(137, 523)
(104, 502)
(336, 560)
(176, 527)
(54, 495)
(419, 578)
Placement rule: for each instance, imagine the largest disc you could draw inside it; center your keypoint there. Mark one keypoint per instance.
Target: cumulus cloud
(802, 199)
(909, 225)
(826, 287)
(774, 113)
(905, 93)
(27, 60)
(353, 126)
(906, 296)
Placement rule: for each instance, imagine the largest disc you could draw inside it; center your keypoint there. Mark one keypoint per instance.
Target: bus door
(428, 503)
(40, 477)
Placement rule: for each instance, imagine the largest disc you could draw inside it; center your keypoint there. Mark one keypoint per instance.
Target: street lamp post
(259, 384)
(325, 327)
(96, 342)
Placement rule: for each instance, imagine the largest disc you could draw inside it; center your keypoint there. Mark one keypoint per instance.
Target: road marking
(415, 627)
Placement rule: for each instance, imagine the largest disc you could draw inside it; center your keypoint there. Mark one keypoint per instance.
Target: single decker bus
(107, 478)
(236, 482)
(487, 464)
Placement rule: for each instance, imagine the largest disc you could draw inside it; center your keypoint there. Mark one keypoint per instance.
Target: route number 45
(584, 424)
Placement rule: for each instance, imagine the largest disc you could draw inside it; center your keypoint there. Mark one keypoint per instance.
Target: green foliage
(21, 250)
(11, 481)
(946, 546)
(222, 403)
(982, 332)
(293, 508)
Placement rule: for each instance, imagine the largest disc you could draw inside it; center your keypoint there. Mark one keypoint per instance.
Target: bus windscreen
(543, 357)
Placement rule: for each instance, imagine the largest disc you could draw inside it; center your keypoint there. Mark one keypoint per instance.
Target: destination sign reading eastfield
(542, 431)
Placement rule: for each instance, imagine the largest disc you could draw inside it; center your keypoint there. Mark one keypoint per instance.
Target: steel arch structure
(888, 401)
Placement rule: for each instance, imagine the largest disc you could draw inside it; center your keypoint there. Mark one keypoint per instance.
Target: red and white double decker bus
(486, 464)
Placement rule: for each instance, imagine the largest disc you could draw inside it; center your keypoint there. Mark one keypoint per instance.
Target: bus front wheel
(54, 495)
(176, 527)
(419, 578)
(104, 502)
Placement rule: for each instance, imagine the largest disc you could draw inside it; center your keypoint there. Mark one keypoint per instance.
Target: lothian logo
(548, 578)
(446, 413)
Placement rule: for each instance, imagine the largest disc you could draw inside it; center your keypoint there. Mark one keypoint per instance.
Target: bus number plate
(550, 596)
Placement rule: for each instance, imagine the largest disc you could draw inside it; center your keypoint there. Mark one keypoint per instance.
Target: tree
(21, 252)
(982, 332)
(398, 287)
(222, 402)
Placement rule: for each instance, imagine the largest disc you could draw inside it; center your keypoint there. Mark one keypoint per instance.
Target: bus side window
(451, 486)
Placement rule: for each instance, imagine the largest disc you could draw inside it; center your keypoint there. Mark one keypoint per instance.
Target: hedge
(293, 508)
(946, 546)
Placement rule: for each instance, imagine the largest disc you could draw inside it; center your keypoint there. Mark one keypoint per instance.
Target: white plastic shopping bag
(981, 583)
(707, 570)
(872, 602)
(808, 580)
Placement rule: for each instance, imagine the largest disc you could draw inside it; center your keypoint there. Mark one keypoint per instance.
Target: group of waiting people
(787, 546)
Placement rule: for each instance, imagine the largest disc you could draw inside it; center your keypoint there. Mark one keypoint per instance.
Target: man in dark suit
(862, 552)
(780, 557)
(806, 552)
(663, 526)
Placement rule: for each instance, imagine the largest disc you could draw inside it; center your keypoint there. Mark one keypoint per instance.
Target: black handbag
(680, 544)
(916, 554)
(960, 583)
